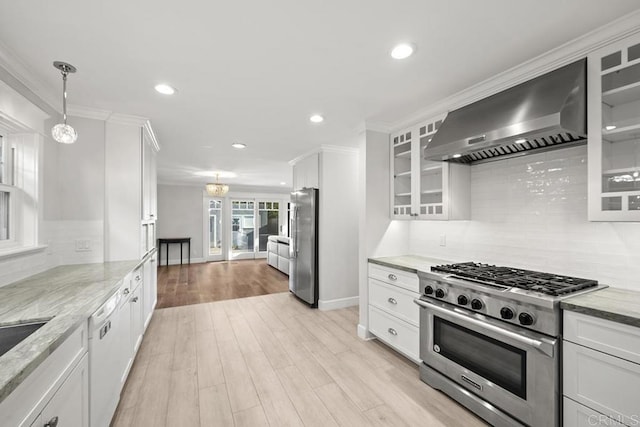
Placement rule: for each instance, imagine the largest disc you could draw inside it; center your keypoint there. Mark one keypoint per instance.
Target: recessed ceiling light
(239, 145)
(610, 127)
(283, 183)
(521, 140)
(165, 89)
(402, 51)
(316, 118)
(457, 156)
(218, 173)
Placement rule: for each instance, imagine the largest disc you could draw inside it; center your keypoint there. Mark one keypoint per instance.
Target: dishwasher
(104, 362)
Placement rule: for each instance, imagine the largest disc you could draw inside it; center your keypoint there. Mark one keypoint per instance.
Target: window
(268, 216)
(6, 190)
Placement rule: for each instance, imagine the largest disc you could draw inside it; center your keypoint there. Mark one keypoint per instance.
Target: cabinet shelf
(406, 153)
(622, 95)
(406, 174)
(402, 194)
(436, 191)
(431, 168)
(625, 131)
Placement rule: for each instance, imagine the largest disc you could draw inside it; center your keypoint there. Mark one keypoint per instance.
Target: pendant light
(62, 132)
(216, 189)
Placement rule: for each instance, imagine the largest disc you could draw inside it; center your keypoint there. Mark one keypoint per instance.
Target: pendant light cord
(64, 96)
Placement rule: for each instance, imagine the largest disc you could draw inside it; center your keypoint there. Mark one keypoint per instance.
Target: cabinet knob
(126, 291)
(392, 300)
(53, 422)
(393, 277)
(134, 299)
(393, 331)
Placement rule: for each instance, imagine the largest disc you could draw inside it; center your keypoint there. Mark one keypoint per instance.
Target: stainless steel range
(490, 338)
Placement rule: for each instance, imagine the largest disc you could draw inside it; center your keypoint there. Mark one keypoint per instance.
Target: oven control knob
(440, 293)
(525, 319)
(428, 290)
(463, 300)
(506, 313)
(476, 304)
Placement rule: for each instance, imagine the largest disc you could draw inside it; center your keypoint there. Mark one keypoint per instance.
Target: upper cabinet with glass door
(401, 164)
(614, 132)
(423, 189)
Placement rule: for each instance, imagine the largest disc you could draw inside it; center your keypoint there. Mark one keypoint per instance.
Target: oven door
(510, 367)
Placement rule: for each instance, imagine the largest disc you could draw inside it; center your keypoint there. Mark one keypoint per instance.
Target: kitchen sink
(12, 335)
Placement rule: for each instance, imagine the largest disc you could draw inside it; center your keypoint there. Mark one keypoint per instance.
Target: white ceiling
(253, 71)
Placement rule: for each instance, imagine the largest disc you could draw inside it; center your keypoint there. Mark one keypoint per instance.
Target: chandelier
(62, 132)
(216, 189)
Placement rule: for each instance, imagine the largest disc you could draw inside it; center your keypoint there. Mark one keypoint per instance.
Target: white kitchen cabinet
(614, 131)
(57, 387)
(423, 189)
(69, 405)
(150, 288)
(393, 316)
(130, 188)
(601, 370)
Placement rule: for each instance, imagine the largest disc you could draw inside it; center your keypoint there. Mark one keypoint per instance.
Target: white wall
(531, 213)
(338, 228)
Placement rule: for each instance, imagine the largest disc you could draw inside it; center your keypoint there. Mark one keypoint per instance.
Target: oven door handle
(543, 345)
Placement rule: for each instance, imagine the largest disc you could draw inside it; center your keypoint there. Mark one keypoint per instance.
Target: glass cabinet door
(402, 174)
(614, 132)
(432, 178)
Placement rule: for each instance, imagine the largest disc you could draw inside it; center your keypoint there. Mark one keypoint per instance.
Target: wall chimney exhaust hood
(545, 113)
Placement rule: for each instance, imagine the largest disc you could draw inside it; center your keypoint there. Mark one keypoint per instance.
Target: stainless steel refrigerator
(303, 246)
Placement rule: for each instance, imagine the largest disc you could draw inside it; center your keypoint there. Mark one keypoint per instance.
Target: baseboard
(364, 333)
(176, 261)
(338, 303)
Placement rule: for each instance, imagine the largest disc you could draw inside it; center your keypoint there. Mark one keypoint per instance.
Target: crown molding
(555, 58)
(127, 119)
(324, 149)
(88, 112)
(152, 136)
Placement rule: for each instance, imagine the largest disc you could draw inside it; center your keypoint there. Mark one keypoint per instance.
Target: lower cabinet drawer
(283, 264)
(577, 415)
(395, 300)
(272, 259)
(398, 334)
(605, 383)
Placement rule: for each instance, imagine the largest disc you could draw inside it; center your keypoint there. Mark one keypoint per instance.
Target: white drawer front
(614, 338)
(395, 277)
(283, 250)
(577, 415)
(394, 300)
(608, 384)
(272, 246)
(398, 334)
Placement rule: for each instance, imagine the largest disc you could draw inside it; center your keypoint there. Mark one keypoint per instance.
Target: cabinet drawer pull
(392, 300)
(134, 299)
(393, 277)
(53, 422)
(392, 331)
(126, 291)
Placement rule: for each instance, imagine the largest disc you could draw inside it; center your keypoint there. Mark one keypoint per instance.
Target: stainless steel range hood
(544, 113)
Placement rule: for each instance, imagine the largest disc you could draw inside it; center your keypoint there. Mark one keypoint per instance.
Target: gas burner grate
(534, 281)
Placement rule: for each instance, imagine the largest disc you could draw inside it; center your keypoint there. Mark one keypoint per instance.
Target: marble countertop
(68, 295)
(409, 263)
(618, 305)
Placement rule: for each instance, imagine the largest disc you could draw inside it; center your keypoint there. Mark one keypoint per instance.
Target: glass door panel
(268, 222)
(243, 234)
(215, 230)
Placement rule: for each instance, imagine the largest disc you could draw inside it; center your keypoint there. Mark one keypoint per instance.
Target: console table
(179, 240)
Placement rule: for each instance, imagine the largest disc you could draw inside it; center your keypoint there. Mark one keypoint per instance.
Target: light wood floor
(215, 281)
(269, 360)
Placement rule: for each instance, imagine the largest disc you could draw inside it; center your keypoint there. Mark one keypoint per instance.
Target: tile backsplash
(531, 212)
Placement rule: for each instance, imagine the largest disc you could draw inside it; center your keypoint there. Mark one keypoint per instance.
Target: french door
(238, 228)
(214, 250)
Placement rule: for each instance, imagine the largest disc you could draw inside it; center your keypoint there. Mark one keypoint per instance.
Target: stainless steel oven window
(494, 360)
